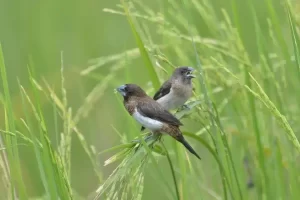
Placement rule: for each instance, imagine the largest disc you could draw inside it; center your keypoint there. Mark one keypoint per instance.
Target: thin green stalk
(66, 145)
(144, 53)
(203, 85)
(224, 178)
(264, 58)
(252, 109)
(4, 166)
(17, 184)
(275, 21)
(280, 169)
(37, 150)
(201, 80)
(295, 38)
(42, 156)
(56, 173)
(225, 141)
(173, 172)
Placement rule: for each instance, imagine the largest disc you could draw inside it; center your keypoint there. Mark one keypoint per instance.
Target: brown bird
(176, 90)
(151, 114)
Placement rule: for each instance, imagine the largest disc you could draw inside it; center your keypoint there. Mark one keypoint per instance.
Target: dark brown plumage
(176, 90)
(151, 114)
(163, 90)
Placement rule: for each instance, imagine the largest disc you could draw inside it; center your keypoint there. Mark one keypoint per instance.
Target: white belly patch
(147, 122)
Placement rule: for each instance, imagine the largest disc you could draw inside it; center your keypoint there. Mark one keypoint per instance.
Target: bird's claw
(184, 106)
(145, 139)
(148, 137)
(160, 139)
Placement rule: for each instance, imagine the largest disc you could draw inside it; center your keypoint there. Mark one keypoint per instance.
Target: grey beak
(121, 90)
(189, 74)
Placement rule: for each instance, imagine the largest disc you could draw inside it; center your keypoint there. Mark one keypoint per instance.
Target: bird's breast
(130, 106)
(147, 122)
(175, 98)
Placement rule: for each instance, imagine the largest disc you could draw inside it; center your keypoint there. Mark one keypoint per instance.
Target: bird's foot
(145, 139)
(139, 142)
(160, 139)
(183, 107)
(148, 137)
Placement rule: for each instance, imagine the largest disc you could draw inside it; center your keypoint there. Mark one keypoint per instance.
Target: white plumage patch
(147, 122)
(172, 100)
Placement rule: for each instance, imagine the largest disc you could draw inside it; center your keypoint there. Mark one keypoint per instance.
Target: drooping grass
(140, 44)
(52, 168)
(17, 186)
(51, 165)
(250, 107)
(248, 140)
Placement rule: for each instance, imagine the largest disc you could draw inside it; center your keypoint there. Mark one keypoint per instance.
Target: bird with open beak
(176, 90)
(151, 114)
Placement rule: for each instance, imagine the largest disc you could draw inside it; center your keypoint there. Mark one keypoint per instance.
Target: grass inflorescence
(243, 116)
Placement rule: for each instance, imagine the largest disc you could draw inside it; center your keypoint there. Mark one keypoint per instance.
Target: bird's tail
(182, 140)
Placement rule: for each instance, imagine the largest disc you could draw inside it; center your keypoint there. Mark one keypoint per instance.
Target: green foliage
(65, 135)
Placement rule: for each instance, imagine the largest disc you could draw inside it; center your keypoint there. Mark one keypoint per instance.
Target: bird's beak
(121, 90)
(189, 73)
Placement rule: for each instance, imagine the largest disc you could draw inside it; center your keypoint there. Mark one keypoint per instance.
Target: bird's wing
(163, 90)
(154, 110)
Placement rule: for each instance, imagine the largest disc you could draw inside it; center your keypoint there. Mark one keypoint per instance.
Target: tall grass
(243, 118)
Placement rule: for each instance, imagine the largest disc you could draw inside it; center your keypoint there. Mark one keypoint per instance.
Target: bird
(151, 114)
(175, 91)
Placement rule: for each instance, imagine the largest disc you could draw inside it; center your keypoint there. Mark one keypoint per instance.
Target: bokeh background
(38, 33)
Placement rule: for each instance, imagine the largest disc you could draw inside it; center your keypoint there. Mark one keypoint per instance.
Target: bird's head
(131, 90)
(184, 74)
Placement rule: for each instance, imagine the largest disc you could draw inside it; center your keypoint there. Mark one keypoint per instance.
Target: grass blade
(295, 38)
(144, 53)
(17, 183)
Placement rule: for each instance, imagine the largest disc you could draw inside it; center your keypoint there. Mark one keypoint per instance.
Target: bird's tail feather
(187, 145)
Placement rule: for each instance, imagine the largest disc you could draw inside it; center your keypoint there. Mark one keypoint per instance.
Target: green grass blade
(224, 177)
(37, 149)
(259, 143)
(144, 53)
(122, 146)
(57, 175)
(225, 141)
(173, 172)
(295, 38)
(278, 31)
(263, 97)
(41, 155)
(281, 118)
(11, 142)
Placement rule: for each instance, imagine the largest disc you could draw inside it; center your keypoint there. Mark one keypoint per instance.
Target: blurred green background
(37, 32)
